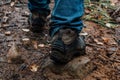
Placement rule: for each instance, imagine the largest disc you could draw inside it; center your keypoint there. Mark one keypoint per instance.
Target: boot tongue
(68, 36)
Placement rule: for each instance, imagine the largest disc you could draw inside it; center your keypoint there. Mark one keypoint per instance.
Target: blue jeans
(65, 14)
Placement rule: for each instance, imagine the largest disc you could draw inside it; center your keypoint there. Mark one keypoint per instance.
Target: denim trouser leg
(40, 6)
(67, 13)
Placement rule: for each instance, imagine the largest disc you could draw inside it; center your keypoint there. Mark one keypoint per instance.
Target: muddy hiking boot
(37, 22)
(66, 44)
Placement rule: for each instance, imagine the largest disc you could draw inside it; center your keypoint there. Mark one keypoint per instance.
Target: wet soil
(103, 47)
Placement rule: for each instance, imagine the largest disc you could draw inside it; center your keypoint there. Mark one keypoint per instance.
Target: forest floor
(103, 47)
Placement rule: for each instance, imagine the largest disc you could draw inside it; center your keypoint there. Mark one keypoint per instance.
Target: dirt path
(103, 47)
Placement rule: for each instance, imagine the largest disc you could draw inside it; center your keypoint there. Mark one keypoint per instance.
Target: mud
(103, 48)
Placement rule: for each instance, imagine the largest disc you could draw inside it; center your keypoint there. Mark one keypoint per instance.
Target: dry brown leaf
(98, 42)
(34, 67)
(12, 53)
(106, 40)
(35, 44)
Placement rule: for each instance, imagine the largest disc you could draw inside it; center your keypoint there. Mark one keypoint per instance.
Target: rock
(26, 41)
(26, 30)
(12, 4)
(84, 34)
(2, 37)
(108, 25)
(41, 45)
(26, 14)
(5, 19)
(78, 68)
(9, 38)
(2, 59)
(5, 25)
(0, 25)
(8, 33)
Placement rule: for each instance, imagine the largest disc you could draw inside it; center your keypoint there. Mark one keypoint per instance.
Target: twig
(5, 62)
(93, 45)
(117, 10)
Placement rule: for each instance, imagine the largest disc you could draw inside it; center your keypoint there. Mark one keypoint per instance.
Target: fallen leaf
(35, 44)
(34, 67)
(105, 39)
(100, 43)
(12, 53)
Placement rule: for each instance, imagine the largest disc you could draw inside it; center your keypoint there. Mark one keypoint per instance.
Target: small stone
(0, 25)
(112, 49)
(26, 14)
(12, 4)
(26, 30)
(5, 19)
(2, 59)
(17, 9)
(9, 38)
(7, 13)
(108, 25)
(6, 25)
(7, 33)
(41, 45)
(26, 41)
(118, 19)
(112, 4)
(84, 34)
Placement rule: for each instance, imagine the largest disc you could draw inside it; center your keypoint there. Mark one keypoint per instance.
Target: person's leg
(40, 10)
(65, 27)
(67, 13)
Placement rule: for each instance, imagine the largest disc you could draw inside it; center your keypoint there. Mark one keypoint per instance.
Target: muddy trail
(102, 51)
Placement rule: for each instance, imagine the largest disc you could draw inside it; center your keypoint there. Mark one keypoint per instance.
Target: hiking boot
(66, 44)
(37, 22)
